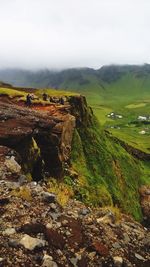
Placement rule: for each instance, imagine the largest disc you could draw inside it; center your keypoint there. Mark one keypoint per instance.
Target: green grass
(136, 105)
(22, 93)
(104, 164)
(129, 96)
(101, 113)
(133, 137)
(11, 92)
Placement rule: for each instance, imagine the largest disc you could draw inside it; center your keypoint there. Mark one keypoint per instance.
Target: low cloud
(66, 33)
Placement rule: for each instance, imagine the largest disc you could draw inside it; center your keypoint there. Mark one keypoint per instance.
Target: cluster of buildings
(113, 115)
(143, 118)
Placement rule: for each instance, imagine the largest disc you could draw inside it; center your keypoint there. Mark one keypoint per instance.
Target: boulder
(118, 261)
(145, 203)
(9, 231)
(48, 261)
(10, 168)
(31, 243)
(32, 228)
(48, 197)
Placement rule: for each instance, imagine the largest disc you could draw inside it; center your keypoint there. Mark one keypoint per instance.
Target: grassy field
(11, 92)
(20, 94)
(128, 96)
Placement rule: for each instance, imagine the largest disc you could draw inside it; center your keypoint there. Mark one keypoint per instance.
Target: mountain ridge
(54, 78)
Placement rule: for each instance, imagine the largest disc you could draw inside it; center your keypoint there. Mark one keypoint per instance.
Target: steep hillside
(65, 142)
(108, 171)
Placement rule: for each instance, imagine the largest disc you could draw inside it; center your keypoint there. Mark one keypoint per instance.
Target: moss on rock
(32, 160)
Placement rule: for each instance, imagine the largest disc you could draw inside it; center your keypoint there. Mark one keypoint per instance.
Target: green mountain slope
(108, 83)
(108, 173)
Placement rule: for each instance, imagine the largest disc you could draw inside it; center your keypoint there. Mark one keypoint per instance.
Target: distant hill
(107, 84)
(3, 84)
(77, 77)
(113, 86)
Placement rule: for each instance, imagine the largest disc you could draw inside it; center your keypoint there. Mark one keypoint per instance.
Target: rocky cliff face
(42, 139)
(145, 203)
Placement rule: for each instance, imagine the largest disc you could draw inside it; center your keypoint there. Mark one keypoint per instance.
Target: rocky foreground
(36, 231)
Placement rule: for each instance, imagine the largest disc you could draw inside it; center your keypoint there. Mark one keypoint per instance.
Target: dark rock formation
(137, 153)
(42, 139)
(145, 204)
(80, 110)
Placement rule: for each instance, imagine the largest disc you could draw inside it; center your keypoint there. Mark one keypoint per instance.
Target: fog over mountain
(59, 34)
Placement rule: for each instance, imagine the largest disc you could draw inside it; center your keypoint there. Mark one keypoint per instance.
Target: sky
(57, 34)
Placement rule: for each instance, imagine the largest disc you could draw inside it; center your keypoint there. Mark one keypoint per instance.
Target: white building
(142, 118)
(142, 132)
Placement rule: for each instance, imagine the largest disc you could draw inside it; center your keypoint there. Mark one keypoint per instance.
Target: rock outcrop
(145, 204)
(42, 139)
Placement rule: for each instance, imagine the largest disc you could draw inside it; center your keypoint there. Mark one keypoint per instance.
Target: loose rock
(48, 197)
(48, 262)
(31, 243)
(9, 231)
(118, 261)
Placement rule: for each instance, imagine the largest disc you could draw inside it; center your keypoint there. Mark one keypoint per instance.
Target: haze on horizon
(61, 34)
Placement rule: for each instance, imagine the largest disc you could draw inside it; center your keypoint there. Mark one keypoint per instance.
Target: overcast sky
(73, 33)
